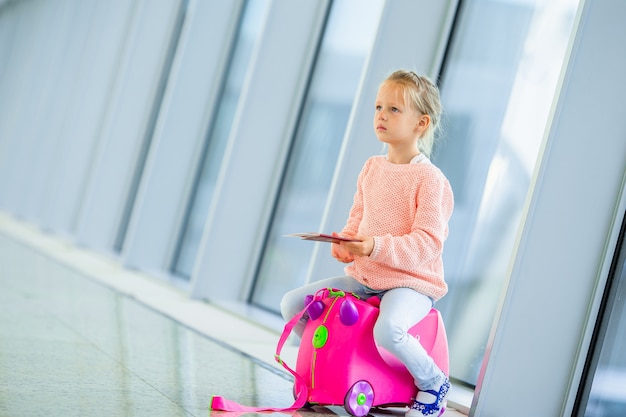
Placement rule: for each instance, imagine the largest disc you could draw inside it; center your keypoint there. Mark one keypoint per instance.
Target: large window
(498, 86)
(604, 390)
(249, 30)
(300, 205)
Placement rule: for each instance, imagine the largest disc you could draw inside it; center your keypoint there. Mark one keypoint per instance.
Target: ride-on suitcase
(339, 363)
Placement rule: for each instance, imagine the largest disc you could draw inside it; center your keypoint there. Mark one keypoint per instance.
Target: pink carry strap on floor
(222, 404)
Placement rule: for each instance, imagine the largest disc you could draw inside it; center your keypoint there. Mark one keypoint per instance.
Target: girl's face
(395, 122)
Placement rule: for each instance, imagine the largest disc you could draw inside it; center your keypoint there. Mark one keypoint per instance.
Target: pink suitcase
(340, 363)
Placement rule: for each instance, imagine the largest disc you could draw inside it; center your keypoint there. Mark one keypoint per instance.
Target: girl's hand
(364, 247)
(340, 253)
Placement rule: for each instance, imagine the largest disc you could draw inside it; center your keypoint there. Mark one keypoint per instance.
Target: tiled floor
(80, 337)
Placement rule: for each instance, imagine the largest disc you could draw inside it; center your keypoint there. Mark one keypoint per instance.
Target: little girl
(400, 218)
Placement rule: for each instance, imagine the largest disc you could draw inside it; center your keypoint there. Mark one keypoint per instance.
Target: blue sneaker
(436, 408)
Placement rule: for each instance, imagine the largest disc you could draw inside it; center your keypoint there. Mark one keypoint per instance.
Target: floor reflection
(69, 346)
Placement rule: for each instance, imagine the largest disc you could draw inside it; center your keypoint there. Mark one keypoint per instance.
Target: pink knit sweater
(406, 208)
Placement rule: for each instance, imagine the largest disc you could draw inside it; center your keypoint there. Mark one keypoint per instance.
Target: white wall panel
(10, 41)
(64, 71)
(24, 81)
(48, 102)
(86, 81)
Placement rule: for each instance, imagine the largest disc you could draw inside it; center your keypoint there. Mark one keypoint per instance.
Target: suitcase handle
(219, 403)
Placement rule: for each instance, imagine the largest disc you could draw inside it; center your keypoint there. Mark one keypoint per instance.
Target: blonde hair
(423, 95)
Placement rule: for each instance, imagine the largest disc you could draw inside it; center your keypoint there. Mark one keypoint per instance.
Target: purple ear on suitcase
(348, 313)
(315, 308)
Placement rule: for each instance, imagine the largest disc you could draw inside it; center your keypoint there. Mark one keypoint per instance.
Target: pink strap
(222, 404)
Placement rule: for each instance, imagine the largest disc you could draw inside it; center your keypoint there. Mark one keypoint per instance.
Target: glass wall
(497, 92)
(322, 125)
(250, 27)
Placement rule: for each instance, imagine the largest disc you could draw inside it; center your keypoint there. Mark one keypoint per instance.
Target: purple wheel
(359, 399)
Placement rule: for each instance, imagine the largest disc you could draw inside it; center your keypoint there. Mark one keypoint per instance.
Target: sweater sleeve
(424, 244)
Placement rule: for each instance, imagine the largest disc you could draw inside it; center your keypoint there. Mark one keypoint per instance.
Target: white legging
(400, 309)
